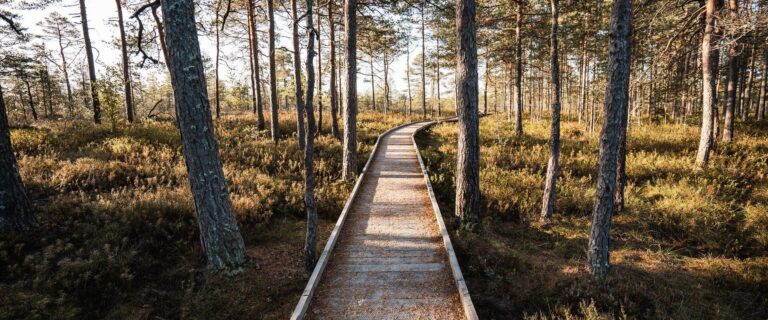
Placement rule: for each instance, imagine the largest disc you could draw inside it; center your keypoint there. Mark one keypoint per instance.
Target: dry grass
(691, 245)
(119, 238)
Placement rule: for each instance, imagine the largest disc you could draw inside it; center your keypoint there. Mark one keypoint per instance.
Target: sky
(103, 30)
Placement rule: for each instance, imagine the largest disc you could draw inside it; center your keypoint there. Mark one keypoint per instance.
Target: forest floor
(691, 244)
(119, 238)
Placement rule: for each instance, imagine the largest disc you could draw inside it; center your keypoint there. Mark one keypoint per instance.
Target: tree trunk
(485, 86)
(319, 72)
(437, 75)
(616, 102)
(373, 82)
(126, 72)
(274, 122)
(349, 163)
(709, 66)
(253, 36)
(730, 107)
(15, 209)
(518, 71)
(408, 72)
(219, 233)
(746, 93)
(468, 153)
(217, 93)
(763, 88)
(297, 75)
(65, 71)
(91, 64)
(332, 58)
(160, 32)
(310, 244)
(29, 97)
(423, 65)
(550, 194)
(583, 79)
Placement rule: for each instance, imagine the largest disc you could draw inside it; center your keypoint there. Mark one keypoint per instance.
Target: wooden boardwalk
(390, 259)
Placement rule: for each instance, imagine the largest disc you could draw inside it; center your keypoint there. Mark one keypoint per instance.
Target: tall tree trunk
(349, 162)
(297, 75)
(408, 72)
(126, 64)
(91, 64)
(319, 72)
(253, 36)
(437, 75)
(485, 85)
(332, 60)
(216, 89)
(583, 78)
(763, 88)
(310, 244)
(219, 233)
(423, 64)
(518, 71)
(15, 209)
(65, 71)
(274, 123)
(550, 194)
(29, 97)
(746, 93)
(373, 81)
(468, 153)
(616, 103)
(709, 65)
(730, 107)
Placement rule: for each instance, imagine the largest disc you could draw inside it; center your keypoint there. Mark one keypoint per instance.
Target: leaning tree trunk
(310, 244)
(709, 65)
(15, 209)
(519, 72)
(253, 36)
(616, 102)
(91, 64)
(273, 102)
(349, 162)
(297, 75)
(219, 233)
(126, 73)
(29, 97)
(468, 153)
(65, 72)
(332, 58)
(548, 203)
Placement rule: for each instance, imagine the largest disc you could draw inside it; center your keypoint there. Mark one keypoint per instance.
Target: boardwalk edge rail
(314, 280)
(466, 300)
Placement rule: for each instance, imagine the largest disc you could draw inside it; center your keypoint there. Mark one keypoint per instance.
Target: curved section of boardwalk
(390, 261)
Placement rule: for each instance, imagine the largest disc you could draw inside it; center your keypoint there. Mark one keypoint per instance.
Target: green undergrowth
(118, 236)
(691, 244)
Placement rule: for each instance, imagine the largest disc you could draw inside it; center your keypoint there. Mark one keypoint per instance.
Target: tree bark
(746, 93)
(297, 75)
(550, 194)
(126, 73)
(709, 66)
(15, 208)
(730, 107)
(332, 58)
(468, 153)
(616, 102)
(763, 88)
(217, 93)
(219, 233)
(274, 123)
(423, 64)
(160, 32)
(253, 36)
(91, 64)
(310, 244)
(518, 71)
(65, 70)
(349, 163)
(319, 72)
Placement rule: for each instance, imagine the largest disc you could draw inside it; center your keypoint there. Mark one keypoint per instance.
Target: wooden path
(389, 256)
